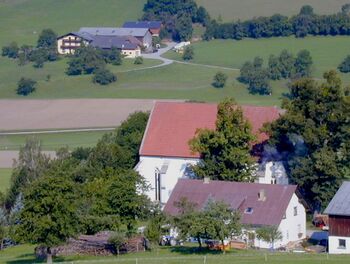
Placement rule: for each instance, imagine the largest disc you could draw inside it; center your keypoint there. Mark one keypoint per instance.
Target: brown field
(67, 113)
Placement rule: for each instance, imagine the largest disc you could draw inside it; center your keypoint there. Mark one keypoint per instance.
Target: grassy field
(59, 83)
(5, 175)
(327, 52)
(237, 9)
(176, 81)
(53, 141)
(24, 254)
(22, 20)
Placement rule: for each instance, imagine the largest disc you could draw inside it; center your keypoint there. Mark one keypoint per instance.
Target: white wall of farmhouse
(292, 227)
(69, 43)
(168, 168)
(338, 245)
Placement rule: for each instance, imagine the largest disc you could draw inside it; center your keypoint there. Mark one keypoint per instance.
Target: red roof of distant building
(173, 124)
(239, 196)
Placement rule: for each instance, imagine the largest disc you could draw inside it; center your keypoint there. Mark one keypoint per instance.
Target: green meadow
(23, 20)
(53, 141)
(237, 9)
(327, 52)
(175, 81)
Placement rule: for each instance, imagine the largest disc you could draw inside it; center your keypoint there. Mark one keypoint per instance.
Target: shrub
(188, 53)
(219, 80)
(26, 86)
(104, 77)
(11, 50)
(345, 65)
(138, 60)
(118, 239)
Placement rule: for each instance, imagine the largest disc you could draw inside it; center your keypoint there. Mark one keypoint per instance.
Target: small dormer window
(249, 210)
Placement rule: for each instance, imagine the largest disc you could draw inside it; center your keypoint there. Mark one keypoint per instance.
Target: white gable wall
(292, 227)
(176, 167)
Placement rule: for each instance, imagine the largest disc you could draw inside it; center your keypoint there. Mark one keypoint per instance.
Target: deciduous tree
(269, 234)
(49, 216)
(225, 151)
(313, 136)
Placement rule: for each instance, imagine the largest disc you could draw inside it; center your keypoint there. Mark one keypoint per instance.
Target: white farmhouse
(338, 211)
(259, 205)
(165, 155)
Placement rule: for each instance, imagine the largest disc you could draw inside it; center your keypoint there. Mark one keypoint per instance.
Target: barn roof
(173, 124)
(239, 196)
(340, 204)
(120, 42)
(143, 24)
(113, 31)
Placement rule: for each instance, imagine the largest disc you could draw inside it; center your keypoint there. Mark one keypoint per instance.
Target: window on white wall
(342, 243)
(295, 210)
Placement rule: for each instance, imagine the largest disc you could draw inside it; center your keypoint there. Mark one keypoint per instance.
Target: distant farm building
(181, 46)
(153, 26)
(129, 41)
(338, 211)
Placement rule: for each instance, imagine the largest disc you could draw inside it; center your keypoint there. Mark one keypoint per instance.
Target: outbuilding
(338, 211)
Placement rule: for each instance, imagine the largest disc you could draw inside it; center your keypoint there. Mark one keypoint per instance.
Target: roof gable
(340, 204)
(239, 196)
(173, 124)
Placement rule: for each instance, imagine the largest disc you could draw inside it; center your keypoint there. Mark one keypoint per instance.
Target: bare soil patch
(67, 113)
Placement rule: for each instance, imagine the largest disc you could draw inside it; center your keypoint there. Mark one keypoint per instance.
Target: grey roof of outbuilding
(112, 31)
(142, 24)
(239, 196)
(108, 42)
(340, 204)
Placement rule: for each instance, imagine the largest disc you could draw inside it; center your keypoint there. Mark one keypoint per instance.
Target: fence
(284, 258)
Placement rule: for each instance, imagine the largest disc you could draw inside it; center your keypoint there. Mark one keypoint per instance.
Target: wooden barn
(339, 221)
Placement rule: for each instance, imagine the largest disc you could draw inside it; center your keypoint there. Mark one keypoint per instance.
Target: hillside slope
(22, 20)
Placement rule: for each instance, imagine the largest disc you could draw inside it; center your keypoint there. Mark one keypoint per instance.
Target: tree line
(283, 66)
(303, 24)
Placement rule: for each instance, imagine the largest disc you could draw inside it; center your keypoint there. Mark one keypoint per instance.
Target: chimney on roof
(206, 180)
(262, 195)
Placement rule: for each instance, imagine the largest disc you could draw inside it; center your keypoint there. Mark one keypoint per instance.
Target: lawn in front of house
(184, 255)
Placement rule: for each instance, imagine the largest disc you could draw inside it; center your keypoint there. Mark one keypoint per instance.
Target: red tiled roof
(239, 196)
(173, 124)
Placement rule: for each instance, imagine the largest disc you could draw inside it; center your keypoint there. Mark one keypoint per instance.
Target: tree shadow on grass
(186, 250)
(28, 258)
